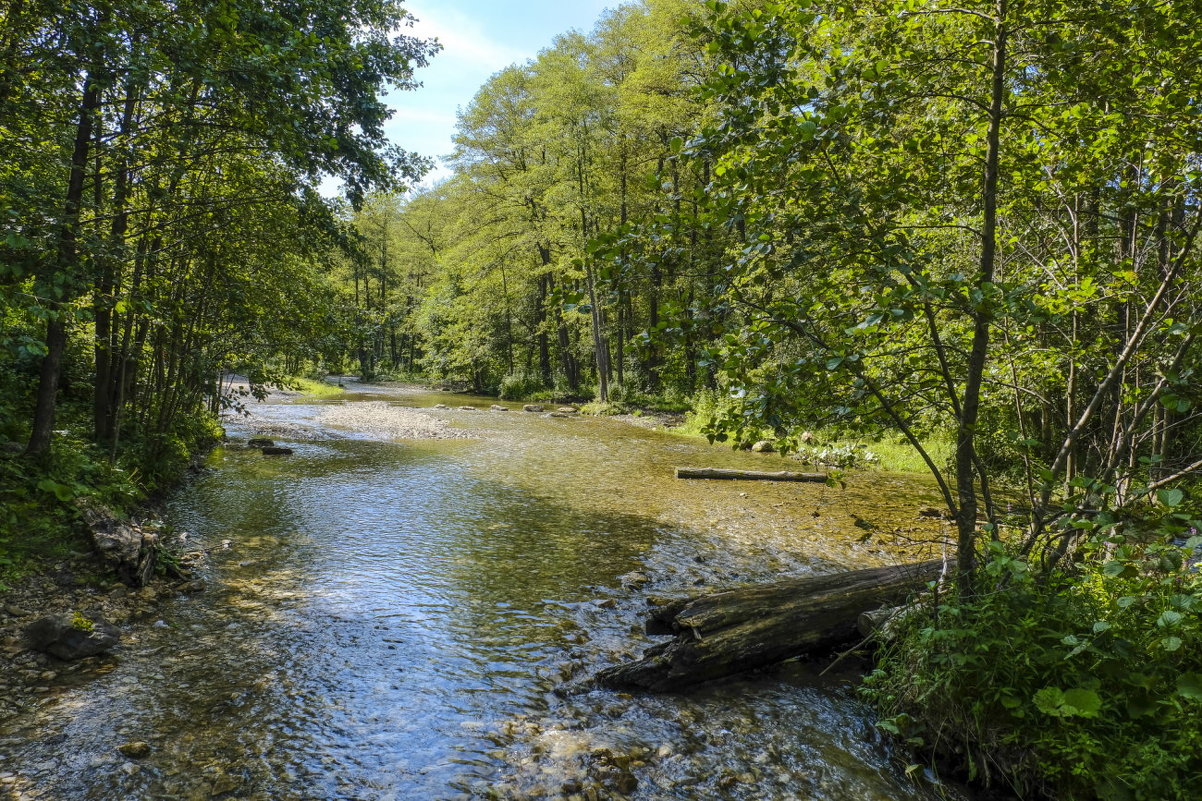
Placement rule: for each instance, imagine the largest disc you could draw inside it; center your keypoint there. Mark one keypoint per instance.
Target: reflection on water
(410, 620)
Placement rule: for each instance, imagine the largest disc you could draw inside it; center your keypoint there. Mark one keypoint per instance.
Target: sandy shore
(382, 419)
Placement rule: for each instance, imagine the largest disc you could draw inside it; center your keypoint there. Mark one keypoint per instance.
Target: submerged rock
(260, 442)
(135, 750)
(466, 408)
(276, 451)
(567, 409)
(70, 636)
(534, 407)
(635, 580)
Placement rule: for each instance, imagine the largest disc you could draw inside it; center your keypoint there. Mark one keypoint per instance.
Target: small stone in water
(135, 750)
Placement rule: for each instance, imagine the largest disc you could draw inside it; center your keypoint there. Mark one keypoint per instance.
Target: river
(415, 620)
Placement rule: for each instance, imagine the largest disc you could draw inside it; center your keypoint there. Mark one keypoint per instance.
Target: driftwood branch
(746, 475)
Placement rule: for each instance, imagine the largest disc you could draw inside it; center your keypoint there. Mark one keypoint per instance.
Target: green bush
(1080, 684)
(521, 386)
(840, 454)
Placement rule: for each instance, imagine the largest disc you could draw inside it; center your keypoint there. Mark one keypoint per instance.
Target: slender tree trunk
(66, 264)
(105, 391)
(544, 345)
(966, 485)
(600, 345)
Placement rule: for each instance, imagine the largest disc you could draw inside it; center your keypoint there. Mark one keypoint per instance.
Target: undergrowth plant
(1079, 683)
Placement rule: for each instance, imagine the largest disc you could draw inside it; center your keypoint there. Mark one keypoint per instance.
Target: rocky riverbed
(385, 420)
(76, 586)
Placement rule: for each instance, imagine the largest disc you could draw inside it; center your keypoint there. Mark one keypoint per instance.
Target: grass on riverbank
(318, 389)
(896, 456)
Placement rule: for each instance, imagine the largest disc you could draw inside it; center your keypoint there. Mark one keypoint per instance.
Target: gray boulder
(70, 636)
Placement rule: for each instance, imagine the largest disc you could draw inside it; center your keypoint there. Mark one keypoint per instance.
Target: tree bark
(725, 633)
(65, 263)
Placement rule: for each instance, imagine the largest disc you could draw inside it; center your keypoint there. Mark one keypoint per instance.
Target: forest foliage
(161, 220)
(900, 219)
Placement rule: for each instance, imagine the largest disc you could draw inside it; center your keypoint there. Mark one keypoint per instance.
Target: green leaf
(61, 491)
(1082, 703)
(1115, 568)
(1170, 497)
(1171, 644)
(1189, 685)
(1049, 700)
(1168, 618)
(1078, 702)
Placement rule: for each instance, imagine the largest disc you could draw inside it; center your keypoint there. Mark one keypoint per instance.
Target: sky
(479, 38)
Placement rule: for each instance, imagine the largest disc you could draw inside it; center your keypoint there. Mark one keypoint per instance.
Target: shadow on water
(398, 620)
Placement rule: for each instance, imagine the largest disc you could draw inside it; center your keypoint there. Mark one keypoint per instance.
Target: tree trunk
(966, 454)
(65, 263)
(725, 633)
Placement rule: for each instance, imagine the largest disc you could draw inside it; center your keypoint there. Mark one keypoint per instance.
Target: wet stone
(135, 749)
(70, 636)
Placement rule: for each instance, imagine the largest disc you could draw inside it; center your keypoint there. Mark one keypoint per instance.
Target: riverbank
(78, 585)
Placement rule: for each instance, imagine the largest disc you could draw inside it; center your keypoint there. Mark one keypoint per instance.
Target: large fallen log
(724, 633)
(746, 475)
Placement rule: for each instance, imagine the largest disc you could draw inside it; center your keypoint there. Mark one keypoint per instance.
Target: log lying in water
(724, 633)
(747, 475)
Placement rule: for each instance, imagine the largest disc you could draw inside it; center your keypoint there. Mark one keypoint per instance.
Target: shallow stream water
(417, 620)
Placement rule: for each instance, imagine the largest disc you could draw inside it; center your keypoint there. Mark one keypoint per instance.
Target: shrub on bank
(521, 386)
(1084, 683)
(38, 514)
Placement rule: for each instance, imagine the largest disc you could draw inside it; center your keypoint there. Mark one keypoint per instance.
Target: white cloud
(463, 39)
